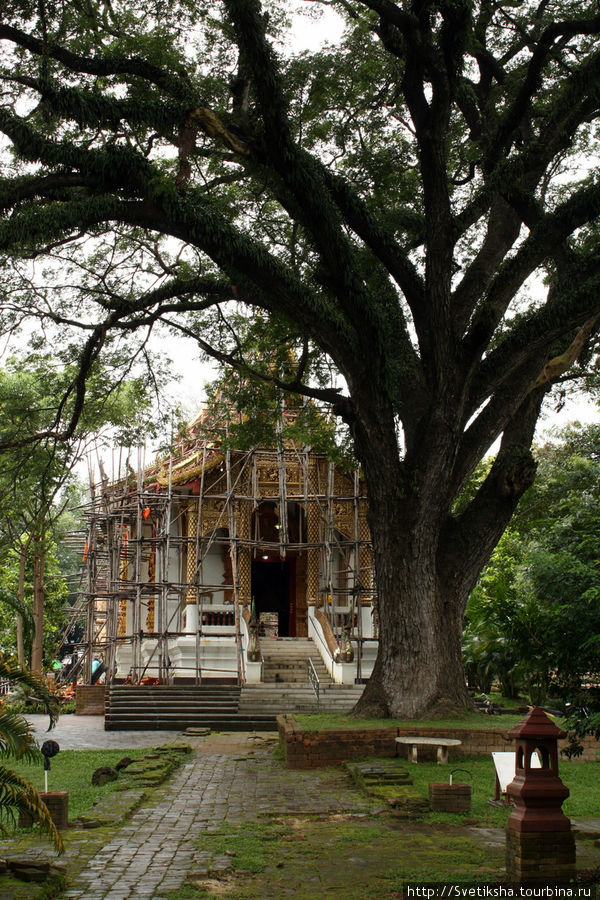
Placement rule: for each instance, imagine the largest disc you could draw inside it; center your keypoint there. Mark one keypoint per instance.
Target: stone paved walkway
(87, 733)
(229, 779)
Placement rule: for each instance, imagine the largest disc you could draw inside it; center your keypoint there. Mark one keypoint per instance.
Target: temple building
(192, 562)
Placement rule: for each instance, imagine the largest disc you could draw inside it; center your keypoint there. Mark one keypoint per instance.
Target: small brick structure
(58, 807)
(90, 699)
(540, 845)
(446, 797)
(540, 859)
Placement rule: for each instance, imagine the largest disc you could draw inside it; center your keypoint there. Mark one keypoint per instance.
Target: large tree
(418, 201)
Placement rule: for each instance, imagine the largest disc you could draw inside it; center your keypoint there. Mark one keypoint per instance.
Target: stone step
(198, 709)
(308, 709)
(286, 660)
(168, 698)
(288, 642)
(271, 663)
(287, 697)
(251, 708)
(293, 641)
(132, 696)
(291, 665)
(290, 698)
(165, 722)
(296, 696)
(188, 691)
(276, 678)
(285, 663)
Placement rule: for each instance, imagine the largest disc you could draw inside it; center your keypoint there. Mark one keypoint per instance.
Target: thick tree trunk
(427, 561)
(419, 669)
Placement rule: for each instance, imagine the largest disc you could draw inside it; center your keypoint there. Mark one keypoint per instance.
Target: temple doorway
(271, 589)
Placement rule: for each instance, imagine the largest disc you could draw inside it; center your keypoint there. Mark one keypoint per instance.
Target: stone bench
(442, 744)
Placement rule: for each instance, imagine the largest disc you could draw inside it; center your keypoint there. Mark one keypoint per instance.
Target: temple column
(244, 558)
(365, 575)
(191, 594)
(313, 561)
(151, 580)
(123, 570)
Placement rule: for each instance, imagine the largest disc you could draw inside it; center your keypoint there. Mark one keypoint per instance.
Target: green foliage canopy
(165, 158)
(533, 620)
(38, 481)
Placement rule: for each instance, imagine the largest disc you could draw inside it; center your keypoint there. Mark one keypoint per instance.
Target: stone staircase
(285, 660)
(177, 707)
(276, 699)
(286, 689)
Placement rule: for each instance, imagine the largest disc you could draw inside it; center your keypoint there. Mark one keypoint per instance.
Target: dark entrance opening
(271, 591)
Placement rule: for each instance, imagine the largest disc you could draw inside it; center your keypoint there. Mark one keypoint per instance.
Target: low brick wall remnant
(313, 749)
(89, 699)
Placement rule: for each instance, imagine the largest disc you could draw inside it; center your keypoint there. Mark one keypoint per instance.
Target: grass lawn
(582, 779)
(358, 859)
(71, 770)
(472, 721)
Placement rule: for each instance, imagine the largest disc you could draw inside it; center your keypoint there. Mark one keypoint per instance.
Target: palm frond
(17, 795)
(18, 675)
(17, 737)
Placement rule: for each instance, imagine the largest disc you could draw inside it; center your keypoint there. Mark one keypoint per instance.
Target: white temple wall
(213, 573)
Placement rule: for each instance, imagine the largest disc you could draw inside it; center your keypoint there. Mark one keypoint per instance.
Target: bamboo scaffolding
(116, 595)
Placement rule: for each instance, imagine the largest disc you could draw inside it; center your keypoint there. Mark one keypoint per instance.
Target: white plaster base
(253, 672)
(124, 661)
(344, 673)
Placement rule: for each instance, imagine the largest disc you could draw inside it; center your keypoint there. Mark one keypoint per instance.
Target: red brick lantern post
(540, 846)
